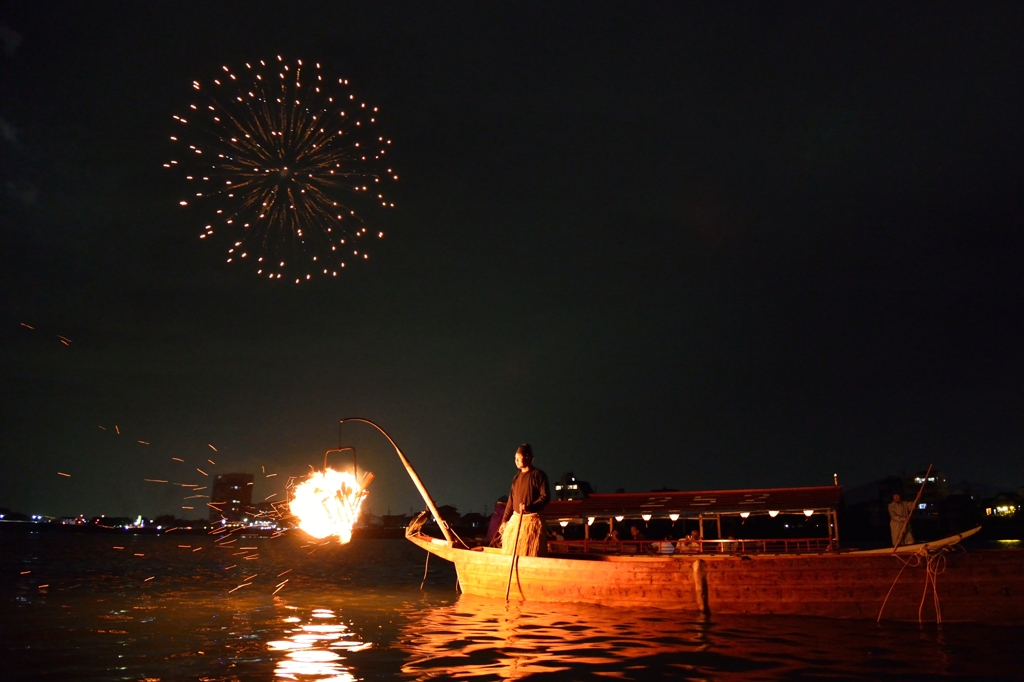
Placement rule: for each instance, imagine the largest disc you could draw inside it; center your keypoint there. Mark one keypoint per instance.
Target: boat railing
(667, 548)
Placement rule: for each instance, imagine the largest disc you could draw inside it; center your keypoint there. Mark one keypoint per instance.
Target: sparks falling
(285, 161)
(328, 502)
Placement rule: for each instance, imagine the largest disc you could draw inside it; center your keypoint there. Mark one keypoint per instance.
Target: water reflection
(357, 613)
(479, 637)
(310, 650)
(476, 637)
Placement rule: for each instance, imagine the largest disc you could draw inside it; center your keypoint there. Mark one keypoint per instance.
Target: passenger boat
(810, 576)
(814, 576)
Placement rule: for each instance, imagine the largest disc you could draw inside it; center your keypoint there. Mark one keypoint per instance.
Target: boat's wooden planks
(978, 586)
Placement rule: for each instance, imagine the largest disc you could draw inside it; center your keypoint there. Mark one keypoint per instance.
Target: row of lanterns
(675, 517)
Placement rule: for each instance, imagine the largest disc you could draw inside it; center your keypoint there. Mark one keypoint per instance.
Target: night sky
(697, 246)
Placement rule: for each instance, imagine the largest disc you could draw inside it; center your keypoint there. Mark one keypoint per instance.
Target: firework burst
(284, 161)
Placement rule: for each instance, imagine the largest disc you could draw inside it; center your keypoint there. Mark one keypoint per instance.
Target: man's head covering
(525, 450)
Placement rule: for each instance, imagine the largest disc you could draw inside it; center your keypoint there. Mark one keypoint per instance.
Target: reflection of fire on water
(312, 649)
(480, 637)
(328, 502)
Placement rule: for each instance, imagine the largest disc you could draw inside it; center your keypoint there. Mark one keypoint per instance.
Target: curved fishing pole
(412, 474)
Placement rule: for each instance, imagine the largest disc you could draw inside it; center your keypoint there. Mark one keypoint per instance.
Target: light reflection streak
(478, 637)
(311, 650)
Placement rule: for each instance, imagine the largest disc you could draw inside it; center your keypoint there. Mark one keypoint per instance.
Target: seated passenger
(667, 546)
(689, 543)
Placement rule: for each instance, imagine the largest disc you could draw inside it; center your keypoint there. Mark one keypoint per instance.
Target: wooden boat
(933, 581)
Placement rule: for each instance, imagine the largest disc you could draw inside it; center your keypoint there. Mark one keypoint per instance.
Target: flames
(327, 503)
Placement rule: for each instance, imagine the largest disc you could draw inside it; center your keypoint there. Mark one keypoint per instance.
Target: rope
(891, 587)
(452, 531)
(515, 552)
(426, 565)
(935, 565)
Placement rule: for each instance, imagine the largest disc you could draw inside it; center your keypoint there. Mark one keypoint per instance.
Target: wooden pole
(515, 555)
(906, 522)
(412, 474)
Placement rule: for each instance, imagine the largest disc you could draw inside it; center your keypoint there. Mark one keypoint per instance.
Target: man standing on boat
(528, 497)
(899, 518)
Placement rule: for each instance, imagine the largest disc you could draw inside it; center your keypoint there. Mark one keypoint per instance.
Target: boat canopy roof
(692, 503)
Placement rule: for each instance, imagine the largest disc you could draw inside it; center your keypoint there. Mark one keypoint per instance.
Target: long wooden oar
(515, 555)
(906, 522)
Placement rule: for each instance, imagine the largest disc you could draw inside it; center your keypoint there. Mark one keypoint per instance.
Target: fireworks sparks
(60, 337)
(285, 159)
(327, 503)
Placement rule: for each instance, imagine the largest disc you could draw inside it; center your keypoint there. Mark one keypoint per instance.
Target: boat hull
(983, 586)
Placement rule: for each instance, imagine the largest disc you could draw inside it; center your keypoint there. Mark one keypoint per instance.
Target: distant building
(231, 498)
(395, 520)
(933, 488)
(368, 519)
(570, 488)
(450, 514)
(475, 522)
(1003, 504)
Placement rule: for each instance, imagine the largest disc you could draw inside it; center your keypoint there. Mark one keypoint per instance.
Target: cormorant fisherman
(528, 497)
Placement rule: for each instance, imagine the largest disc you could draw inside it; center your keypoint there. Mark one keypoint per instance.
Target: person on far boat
(637, 536)
(666, 546)
(530, 494)
(899, 516)
(613, 536)
(689, 543)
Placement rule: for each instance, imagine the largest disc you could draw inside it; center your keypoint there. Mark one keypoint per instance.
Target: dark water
(357, 613)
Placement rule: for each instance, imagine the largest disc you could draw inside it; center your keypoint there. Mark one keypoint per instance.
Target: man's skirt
(531, 535)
